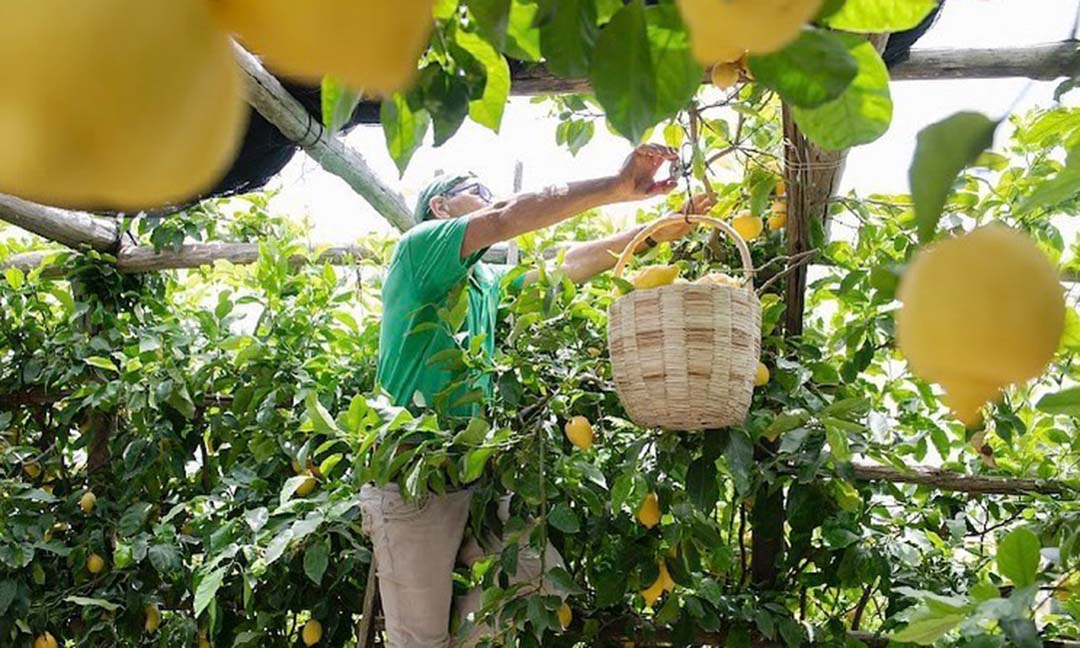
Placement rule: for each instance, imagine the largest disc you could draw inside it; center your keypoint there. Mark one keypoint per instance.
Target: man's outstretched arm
(585, 261)
(528, 212)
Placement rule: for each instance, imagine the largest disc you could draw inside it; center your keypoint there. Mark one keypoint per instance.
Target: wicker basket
(684, 355)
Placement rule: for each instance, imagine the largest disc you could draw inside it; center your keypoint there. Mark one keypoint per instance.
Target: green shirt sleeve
(433, 251)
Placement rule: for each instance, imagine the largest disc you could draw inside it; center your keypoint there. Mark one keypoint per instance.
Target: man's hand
(637, 178)
(700, 204)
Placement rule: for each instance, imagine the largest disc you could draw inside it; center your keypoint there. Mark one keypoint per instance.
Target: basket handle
(676, 219)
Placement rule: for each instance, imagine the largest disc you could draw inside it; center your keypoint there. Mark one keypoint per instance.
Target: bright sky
(528, 133)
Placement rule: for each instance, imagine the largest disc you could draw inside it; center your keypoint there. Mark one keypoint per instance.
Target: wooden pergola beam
(1045, 62)
(73, 229)
(273, 101)
(144, 258)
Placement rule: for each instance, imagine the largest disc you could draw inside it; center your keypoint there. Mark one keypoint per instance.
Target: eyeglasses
(474, 188)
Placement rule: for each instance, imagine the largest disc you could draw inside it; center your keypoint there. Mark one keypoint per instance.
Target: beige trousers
(416, 548)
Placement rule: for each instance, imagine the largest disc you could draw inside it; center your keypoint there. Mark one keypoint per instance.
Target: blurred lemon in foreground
(718, 28)
(725, 75)
(656, 276)
(116, 103)
(372, 46)
(980, 312)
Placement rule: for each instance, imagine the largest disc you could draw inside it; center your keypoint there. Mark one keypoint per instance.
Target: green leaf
(928, 628)
(14, 277)
(701, 484)
(575, 134)
(84, 601)
(838, 441)
(101, 363)
(403, 128)
(207, 589)
(444, 9)
(623, 74)
(862, 113)
(338, 103)
(492, 18)
(568, 37)
(739, 455)
(316, 559)
(943, 150)
(642, 70)
(488, 109)
(1018, 557)
(813, 70)
(1052, 192)
(133, 519)
(880, 16)
(445, 98)
(563, 518)
(165, 558)
(475, 461)
(321, 419)
(276, 548)
(1066, 401)
(522, 35)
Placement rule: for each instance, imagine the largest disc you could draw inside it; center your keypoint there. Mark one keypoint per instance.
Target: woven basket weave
(684, 356)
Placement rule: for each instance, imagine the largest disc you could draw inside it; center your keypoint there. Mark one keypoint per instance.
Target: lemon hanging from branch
(720, 30)
(119, 104)
(372, 45)
(980, 312)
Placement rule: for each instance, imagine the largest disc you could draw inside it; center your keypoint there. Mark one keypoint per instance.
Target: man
(416, 543)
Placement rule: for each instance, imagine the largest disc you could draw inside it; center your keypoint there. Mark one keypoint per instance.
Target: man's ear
(437, 206)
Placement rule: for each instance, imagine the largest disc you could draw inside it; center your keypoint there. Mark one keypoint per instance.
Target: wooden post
(365, 629)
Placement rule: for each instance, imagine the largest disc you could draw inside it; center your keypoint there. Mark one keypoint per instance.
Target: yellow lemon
(719, 279)
(580, 432)
(649, 511)
(31, 468)
(781, 190)
(566, 615)
(749, 227)
(718, 28)
(116, 103)
(652, 593)
(656, 276)
(666, 581)
(204, 642)
(87, 502)
(725, 75)
(153, 618)
(761, 377)
(777, 221)
(95, 564)
(312, 633)
(980, 312)
(779, 206)
(45, 640)
(307, 486)
(373, 45)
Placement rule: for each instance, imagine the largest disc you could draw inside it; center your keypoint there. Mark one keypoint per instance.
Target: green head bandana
(438, 187)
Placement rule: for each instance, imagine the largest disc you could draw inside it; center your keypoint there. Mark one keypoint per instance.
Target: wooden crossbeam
(1046, 62)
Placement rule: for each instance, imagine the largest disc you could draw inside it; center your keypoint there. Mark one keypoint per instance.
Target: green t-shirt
(425, 268)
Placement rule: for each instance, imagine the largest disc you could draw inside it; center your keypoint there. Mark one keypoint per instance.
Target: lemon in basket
(656, 276)
(980, 312)
(719, 279)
